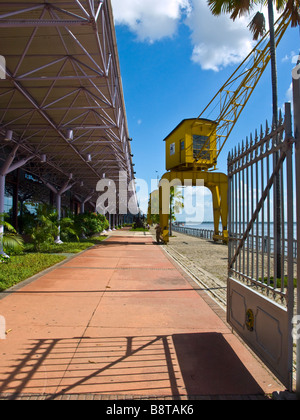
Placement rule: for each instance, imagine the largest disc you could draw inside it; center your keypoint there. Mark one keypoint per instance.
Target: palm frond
(293, 9)
(241, 8)
(236, 8)
(7, 226)
(218, 7)
(12, 242)
(257, 25)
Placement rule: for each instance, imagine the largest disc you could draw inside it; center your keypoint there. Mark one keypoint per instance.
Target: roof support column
(109, 222)
(83, 203)
(2, 194)
(66, 187)
(7, 168)
(59, 194)
(82, 207)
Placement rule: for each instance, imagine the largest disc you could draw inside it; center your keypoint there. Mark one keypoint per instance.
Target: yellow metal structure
(215, 181)
(193, 147)
(229, 102)
(185, 145)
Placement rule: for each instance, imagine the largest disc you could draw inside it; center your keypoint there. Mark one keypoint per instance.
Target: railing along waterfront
(196, 232)
(261, 240)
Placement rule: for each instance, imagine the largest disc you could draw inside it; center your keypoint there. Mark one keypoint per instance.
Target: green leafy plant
(45, 228)
(68, 230)
(4, 259)
(10, 241)
(88, 224)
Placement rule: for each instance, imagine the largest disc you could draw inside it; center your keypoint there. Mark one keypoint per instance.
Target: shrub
(45, 227)
(89, 224)
(68, 231)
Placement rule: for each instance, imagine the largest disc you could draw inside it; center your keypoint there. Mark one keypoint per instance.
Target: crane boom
(193, 147)
(235, 93)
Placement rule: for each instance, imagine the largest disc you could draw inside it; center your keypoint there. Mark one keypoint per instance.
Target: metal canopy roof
(62, 97)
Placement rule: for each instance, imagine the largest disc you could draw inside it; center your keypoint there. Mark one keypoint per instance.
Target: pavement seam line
(83, 336)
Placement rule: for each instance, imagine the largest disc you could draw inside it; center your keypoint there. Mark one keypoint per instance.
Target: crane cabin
(192, 145)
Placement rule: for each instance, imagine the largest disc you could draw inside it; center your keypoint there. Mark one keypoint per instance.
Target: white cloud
(288, 98)
(217, 41)
(289, 93)
(150, 20)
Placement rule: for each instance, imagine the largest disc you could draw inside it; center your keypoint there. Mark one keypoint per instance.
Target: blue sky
(174, 57)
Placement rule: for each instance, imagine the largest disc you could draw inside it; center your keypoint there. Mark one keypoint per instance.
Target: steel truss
(62, 99)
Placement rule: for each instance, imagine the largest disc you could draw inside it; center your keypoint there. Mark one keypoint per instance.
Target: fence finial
(280, 119)
(261, 131)
(288, 120)
(274, 123)
(267, 127)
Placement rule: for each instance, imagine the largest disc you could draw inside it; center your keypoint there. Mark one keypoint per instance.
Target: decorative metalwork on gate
(258, 170)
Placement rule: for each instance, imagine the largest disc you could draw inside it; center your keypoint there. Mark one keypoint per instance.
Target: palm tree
(176, 204)
(9, 239)
(238, 8)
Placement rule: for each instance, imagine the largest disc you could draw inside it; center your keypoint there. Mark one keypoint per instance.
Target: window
(198, 144)
(182, 145)
(8, 202)
(172, 149)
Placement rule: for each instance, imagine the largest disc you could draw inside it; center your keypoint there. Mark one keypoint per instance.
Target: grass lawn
(68, 247)
(278, 282)
(22, 267)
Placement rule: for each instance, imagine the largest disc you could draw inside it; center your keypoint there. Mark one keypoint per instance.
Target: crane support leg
(164, 212)
(216, 208)
(215, 181)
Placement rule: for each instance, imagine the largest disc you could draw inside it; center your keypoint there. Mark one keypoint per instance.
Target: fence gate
(262, 247)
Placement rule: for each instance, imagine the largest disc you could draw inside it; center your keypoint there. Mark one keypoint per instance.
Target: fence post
(296, 99)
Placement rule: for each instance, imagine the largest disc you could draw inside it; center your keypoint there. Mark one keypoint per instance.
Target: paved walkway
(122, 320)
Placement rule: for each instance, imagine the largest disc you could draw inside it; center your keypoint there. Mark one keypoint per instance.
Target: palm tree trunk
(171, 214)
(273, 62)
(277, 192)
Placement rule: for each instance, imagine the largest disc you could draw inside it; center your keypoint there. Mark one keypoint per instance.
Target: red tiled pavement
(122, 319)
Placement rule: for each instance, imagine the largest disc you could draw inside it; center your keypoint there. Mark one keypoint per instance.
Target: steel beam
(87, 70)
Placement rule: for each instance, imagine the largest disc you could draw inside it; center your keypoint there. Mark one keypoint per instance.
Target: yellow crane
(193, 147)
